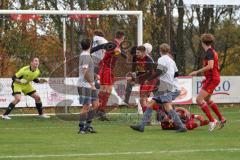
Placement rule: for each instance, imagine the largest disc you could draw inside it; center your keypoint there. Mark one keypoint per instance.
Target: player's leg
(204, 107)
(215, 108)
(130, 84)
(16, 92)
(175, 117)
(85, 100)
(92, 112)
(17, 99)
(106, 81)
(38, 103)
(201, 119)
(146, 116)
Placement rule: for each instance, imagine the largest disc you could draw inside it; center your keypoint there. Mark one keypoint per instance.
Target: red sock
(144, 108)
(156, 107)
(215, 109)
(206, 110)
(103, 99)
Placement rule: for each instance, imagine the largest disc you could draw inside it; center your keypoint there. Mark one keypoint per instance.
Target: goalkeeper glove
(23, 81)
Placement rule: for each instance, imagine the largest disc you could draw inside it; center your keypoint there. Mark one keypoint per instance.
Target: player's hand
(147, 82)
(23, 81)
(42, 81)
(97, 77)
(194, 73)
(129, 78)
(93, 86)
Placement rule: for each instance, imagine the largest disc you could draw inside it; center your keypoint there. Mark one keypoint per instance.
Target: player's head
(86, 44)
(141, 51)
(164, 49)
(207, 40)
(98, 32)
(35, 63)
(119, 35)
(148, 47)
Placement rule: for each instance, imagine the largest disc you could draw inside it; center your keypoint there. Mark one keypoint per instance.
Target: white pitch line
(76, 155)
(122, 153)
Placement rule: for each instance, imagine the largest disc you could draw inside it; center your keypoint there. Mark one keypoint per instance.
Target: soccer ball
(148, 47)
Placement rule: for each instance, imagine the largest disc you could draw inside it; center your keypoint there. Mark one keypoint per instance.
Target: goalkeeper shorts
(18, 88)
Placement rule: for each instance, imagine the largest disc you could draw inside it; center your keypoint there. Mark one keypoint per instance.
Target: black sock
(9, 109)
(90, 116)
(39, 108)
(83, 118)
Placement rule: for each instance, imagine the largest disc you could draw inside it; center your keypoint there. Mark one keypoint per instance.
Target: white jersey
(97, 40)
(85, 62)
(167, 80)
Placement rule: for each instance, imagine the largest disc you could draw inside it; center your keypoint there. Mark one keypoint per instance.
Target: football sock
(90, 117)
(146, 116)
(39, 108)
(9, 109)
(206, 110)
(82, 120)
(215, 109)
(103, 99)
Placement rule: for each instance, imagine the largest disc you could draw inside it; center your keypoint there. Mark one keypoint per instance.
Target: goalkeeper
(22, 84)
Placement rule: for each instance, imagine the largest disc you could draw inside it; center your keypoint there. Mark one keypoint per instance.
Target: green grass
(58, 139)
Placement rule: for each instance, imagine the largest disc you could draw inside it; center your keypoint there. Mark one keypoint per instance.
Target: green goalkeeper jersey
(28, 74)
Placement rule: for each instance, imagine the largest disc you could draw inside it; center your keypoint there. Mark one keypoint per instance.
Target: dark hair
(141, 48)
(98, 32)
(86, 44)
(119, 34)
(133, 50)
(207, 39)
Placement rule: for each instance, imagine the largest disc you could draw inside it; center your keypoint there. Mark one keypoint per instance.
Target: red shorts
(106, 76)
(148, 88)
(209, 85)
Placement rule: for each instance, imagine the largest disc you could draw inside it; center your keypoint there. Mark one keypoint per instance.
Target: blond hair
(164, 48)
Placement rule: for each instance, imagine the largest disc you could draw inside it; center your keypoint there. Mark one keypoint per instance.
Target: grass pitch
(33, 138)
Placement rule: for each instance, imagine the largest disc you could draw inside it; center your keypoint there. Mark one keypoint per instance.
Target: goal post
(66, 13)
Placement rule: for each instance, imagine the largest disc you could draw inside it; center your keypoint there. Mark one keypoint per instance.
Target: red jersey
(110, 59)
(214, 73)
(144, 67)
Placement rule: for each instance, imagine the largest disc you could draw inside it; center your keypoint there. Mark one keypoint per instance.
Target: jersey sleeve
(209, 55)
(84, 62)
(20, 72)
(161, 64)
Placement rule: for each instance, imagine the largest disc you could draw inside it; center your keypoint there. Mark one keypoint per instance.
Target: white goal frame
(64, 13)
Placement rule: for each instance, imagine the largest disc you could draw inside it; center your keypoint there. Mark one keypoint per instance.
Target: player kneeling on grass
(87, 90)
(22, 84)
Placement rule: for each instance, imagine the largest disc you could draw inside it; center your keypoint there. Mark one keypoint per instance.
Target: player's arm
(87, 77)
(18, 77)
(209, 66)
(110, 46)
(161, 70)
(41, 81)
